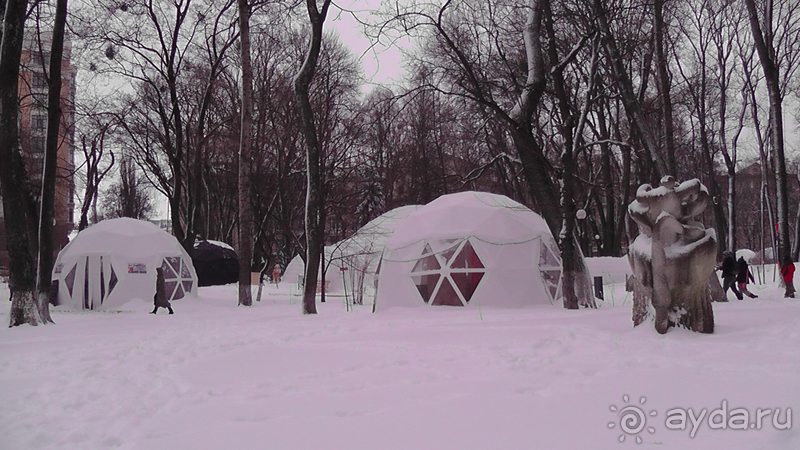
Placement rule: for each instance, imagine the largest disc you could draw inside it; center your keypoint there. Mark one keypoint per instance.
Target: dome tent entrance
(470, 247)
(115, 261)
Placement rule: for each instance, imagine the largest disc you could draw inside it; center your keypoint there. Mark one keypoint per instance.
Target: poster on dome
(137, 268)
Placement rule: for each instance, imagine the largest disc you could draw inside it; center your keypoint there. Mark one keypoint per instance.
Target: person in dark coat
(160, 299)
(729, 274)
(742, 276)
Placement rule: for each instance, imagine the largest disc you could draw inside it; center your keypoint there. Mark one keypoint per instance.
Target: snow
(214, 376)
(217, 243)
(747, 254)
(613, 270)
(493, 218)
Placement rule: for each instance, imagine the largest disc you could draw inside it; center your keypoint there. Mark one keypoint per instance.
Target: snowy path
(214, 376)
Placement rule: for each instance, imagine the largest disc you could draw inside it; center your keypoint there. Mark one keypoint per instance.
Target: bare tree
(128, 197)
(466, 72)
(761, 27)
(93, 145)
(152, 44)
(245, 208)
(302, 82)
(632, 105)
(21, 240)
(47, 197)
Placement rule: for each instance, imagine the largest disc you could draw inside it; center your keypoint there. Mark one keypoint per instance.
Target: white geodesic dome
(360, 253)
(468, 248)
(115, 261)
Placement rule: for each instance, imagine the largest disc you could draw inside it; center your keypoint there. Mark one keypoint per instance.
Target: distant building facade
(33, 86)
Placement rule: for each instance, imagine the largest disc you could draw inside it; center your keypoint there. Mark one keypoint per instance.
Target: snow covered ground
(218, 376)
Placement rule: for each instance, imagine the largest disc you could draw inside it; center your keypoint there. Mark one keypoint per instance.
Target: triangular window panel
(446, 295)
(467, 259)
(170, 288)
(553, 290)
(112, 282)
(174, 265)
(447, 254)
(102, 282)
(86, 304)
(551, 276)
(425, 285)
(70, 279)
(428, 262)
(551, 279)
(185, 270)
(168, 272)
(187, 285)
(547, 257)
(178, 292)
(467, 282)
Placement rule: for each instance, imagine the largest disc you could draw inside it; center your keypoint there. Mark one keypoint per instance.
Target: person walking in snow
(160, 299)
(729, 274)
(742, 276)
(787, 273)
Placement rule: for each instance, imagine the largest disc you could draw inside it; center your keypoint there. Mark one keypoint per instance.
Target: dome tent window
(550, 270)
(177, 278)
(450, 277)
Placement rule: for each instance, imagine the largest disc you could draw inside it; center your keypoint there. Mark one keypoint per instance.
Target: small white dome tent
(115, 261)
(360, 253)
(466, 248)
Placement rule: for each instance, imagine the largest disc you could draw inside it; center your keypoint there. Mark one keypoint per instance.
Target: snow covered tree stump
(673, 257)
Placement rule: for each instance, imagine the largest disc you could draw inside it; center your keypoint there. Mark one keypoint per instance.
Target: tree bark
(632, 106)
(576, 285)
(664, 85)
(21, 225)
(245, 250)
(302, 83)
(771, 74)
(47, 197)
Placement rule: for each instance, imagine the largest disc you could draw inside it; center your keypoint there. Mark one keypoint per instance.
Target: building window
(40, 59)
(39, 100)
(38, 145)
(38, 122)
(39, 81)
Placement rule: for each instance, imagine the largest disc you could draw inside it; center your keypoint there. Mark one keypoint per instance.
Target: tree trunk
(664, 85)
(47, 197)
(21, 225)
(629, 100)
(731, 242)
(796, 245)
(245, 208)
(302, 82)
(766, 54)
(576, 285)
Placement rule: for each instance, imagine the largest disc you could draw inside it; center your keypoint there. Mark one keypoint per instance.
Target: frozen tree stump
(673, 257)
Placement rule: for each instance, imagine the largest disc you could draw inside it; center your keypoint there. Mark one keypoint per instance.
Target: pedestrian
(160, 299)
(742, 276)
(729, 274)
(276, 274)
(787, 272)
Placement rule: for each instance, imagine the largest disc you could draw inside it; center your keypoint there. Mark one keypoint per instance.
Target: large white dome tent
(467, 248)
(115, 261)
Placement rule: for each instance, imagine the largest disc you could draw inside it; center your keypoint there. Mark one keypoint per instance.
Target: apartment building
(33, 86)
